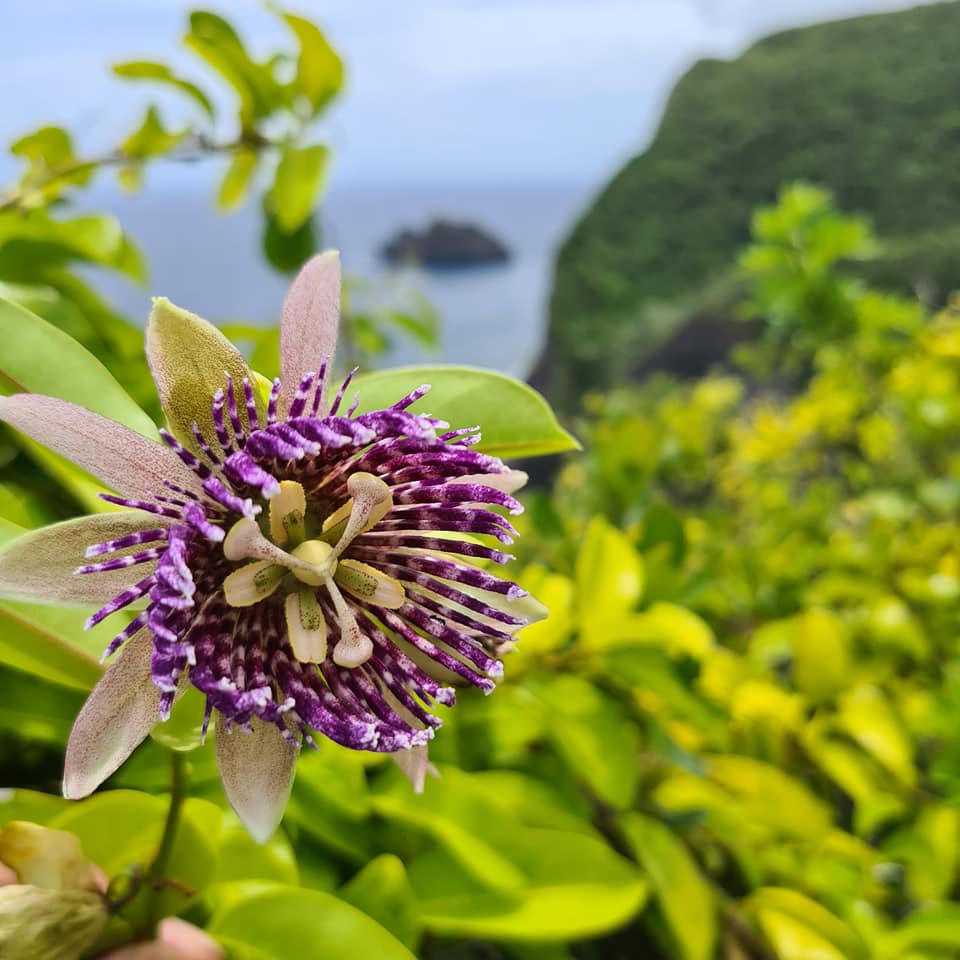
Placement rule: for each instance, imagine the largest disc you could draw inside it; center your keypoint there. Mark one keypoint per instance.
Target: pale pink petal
(309, 322)
(415, 764)
(40, 564)
(121, 710)
(125, 461)
(188, 942)
(257, 769)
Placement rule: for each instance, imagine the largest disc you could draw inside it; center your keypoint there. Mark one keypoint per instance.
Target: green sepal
(190, 360)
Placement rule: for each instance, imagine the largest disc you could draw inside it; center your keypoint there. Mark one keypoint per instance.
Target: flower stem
(179, 784)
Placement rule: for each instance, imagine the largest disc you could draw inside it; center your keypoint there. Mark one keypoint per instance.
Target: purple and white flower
(304, 566)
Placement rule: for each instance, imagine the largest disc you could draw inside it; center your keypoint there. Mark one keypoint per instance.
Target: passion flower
(306, 567)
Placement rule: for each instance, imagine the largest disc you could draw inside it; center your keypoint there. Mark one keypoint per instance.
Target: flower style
(304, 567)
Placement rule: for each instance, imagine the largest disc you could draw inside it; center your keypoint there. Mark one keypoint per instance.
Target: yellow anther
(369, 584)
(287, 511)
(306, 626)
(252, 583)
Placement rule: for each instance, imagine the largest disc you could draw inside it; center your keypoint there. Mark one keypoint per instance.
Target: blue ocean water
(493, 316)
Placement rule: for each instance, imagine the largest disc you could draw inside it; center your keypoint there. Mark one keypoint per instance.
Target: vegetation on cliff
(866, 107)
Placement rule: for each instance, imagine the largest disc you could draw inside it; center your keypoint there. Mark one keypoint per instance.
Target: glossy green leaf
(35, 708)
(213, 39)
(319, 68)
(381, 890)
(118, 829)
(39, 358)
(151, 138)
(609, 578)
(121, 829)
(683, 895)
(773, 796)
(933, 927)
(330, 803)
(184, 730)
(30, 805)
(161, 73)
(287, 251)
(821, 656)
(458, 816)
(241, 858)
(576, 887)
(590, 732)
(298, 185)
(236, 181)
(50, 643)
(48, 147)
(870, 719)
(35, 244)
(801, 929)
(515, 421)
(279, 922)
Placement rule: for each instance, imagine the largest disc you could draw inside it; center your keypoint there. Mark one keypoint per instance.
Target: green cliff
(868, 107)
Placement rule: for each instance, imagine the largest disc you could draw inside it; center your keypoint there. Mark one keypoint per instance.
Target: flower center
(313, 573)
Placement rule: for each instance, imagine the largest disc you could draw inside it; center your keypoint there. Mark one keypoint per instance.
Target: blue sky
(438, 89)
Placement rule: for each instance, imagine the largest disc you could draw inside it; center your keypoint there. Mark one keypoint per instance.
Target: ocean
(492, 316)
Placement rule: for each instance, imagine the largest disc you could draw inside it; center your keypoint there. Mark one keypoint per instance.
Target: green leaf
(650, 669)
(801, 929)
(458, 815)
(117, 829)
(610, 579)
(161, 73)
(684, 896)
(35, 708)
(214, 40)
(329, 802)
(297, 185)
(121, 829)
(319, 68)
(30, 805)
(35, 243)
(933, 927)
(514, 419)
(590, 732)
(774, 797)
(241, 858)
(287, 252)
(39, 358)
(821, 656)
(381, 890)
(50, 642)
(279, 922)
(151, 138)
(236, 181)
(50, 155)
(868, 717)
(576, 887)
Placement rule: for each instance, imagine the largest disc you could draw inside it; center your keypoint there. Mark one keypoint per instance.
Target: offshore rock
(445, 243)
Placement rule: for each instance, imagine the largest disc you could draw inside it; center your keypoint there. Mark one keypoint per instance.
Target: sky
(438, 90)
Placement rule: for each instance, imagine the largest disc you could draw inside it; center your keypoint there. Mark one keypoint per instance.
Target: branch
(196, 147)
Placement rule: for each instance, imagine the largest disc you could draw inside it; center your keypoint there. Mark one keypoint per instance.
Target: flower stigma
(312, 566)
